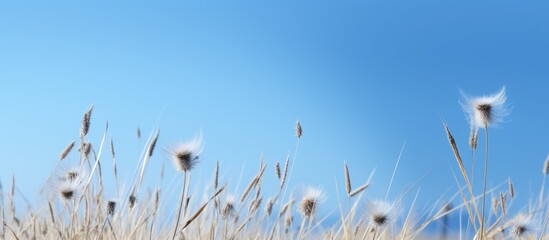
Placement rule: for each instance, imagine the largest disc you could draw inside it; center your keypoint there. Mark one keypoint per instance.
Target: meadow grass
(77, 208)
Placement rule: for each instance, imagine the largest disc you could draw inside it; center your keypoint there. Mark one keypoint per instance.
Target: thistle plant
(484, 112)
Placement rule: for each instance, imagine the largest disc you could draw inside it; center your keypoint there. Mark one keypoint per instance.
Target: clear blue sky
(364, 77)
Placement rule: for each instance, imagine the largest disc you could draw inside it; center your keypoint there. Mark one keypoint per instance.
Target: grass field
(74, 205)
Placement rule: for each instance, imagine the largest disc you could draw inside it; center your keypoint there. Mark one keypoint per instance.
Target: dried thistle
(111, 207)
(298, 129)
(310, 201)
(185, 155)
(381, 213)
(485, 111)
(132, 200)
(66, 152)
(522, 226)
(69, 191)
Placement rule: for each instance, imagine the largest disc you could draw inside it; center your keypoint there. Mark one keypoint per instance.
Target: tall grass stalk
(482, 223)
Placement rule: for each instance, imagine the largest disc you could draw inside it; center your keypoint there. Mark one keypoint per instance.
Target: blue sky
(363, 77)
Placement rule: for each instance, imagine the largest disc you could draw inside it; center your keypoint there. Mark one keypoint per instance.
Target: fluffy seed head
(381, 213)
(185, 155)
(73, 176)
(310, 201)
(228, 208)
(131, 200)
(487, 110)
(86, 149)
(68, 190)
(111, 207)
(522, 226)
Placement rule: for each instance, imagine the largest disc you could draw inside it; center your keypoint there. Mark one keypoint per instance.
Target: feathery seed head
(228, 209)
(310, 201)
(131, 200)
(86, 149)
(69, 190)
(111, 207)
(381, 213)
(185, 155)
(487, 110)
(522, 226)
(75, 176)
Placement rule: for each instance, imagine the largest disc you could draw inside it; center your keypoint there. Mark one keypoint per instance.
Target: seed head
(269, 207)
(68, 191)
(185, 155)
(381, 213)
(131, 200)
(111, 207)
(67, 150)
(228, 208)
(277, 171)
(473, 138)
(487, 110)
(153, 143)
(310, 201)
(74, 175)
(86, 122)
(86, 149)
(298, 129)
(523, 226)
